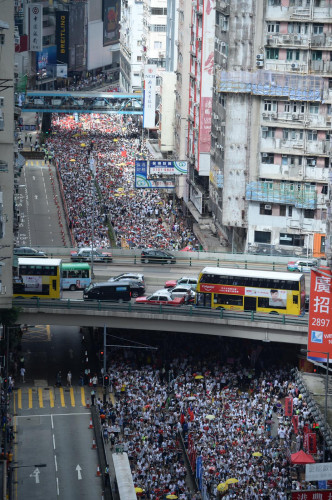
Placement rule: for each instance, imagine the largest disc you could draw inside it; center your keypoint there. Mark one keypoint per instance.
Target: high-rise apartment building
(271, 124)
(7, 155)
(131, 45)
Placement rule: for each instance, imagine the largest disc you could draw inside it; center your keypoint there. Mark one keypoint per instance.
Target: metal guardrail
(185, 310)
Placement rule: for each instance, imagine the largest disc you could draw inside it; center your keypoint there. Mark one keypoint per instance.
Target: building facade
(131, 45)
(271, 125)
(7, 154)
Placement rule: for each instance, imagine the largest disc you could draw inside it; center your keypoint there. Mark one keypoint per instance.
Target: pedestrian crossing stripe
(50, 397)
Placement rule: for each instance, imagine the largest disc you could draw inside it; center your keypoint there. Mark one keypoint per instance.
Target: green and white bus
(75, 276)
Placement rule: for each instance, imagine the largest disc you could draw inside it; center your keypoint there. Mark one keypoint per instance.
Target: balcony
(321, 66)
(286, 193)
(288, 40)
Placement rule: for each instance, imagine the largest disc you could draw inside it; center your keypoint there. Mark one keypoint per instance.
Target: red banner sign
(312, 495)
(295, 422)
(288, 407)
(312, 444)
(320, 315)
(235, 290)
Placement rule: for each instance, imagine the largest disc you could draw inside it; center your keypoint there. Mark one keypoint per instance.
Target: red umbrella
(302, 458)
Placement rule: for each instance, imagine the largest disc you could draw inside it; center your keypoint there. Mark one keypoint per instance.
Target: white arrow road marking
(33, 178)
(36, 196)
(79, 475)
(35, 474)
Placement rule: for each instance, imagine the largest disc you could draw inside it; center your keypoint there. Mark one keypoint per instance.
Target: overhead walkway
(83, 102)
(188, 319)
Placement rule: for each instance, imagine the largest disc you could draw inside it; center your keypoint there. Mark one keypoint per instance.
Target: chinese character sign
(36, 27)
(320, 315)
(149, 108)
(312, 495)
(288, 406)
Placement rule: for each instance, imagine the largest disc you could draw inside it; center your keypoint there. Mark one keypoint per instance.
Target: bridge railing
(185, 310)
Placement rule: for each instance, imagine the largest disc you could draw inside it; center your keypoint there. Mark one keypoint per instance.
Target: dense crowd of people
(137, 218)
(227, 412)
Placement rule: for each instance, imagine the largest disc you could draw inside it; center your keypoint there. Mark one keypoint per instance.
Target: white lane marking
(55, 463)
(53, 442)
(79, 475)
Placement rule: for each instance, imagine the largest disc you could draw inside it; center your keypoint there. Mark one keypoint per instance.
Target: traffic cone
(90, 426)
(98, 471)
(94, 446)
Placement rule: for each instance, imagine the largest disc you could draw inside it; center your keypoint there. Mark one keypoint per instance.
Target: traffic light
(106, 380)
(101, 355)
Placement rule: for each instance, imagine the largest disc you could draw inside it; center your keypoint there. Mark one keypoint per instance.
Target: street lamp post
(327, 354)
(92, 168)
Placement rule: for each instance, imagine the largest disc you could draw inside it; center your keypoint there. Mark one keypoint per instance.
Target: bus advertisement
(37, 278)
(75, 276)
(251, 290)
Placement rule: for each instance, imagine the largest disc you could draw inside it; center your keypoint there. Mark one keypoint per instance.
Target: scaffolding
(285, 193)
(269, 84)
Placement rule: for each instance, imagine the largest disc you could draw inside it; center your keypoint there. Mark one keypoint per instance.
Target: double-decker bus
(75, 276)
(251, 290)
(37, 278)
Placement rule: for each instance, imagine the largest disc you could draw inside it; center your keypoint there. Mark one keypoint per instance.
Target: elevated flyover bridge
(188, 319)
(83, 102)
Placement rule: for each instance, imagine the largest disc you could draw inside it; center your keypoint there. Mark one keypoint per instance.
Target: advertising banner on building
(312, 494)
(111, 21)
(318, 472)
(167, 167)
(320, 315)
(62, 36)
(36, 27)
(149, 107)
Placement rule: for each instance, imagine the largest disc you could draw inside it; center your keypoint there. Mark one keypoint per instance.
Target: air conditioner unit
(273, 115)
(295, 65)
(301, 117)
(295, 116)
(260, 57)
(265, 115)
(259, 64)
(328, 123)
(264, 155)
(218, 128)
(265, 129)
(314, 131)
(267, 207)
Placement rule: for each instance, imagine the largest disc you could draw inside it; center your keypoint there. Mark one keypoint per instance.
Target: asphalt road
(39, 222)
(52, 423)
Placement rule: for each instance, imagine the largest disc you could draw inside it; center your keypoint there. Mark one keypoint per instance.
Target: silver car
(182, 291)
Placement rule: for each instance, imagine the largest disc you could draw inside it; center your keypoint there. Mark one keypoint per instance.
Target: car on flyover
(157, 256)
(183, 291)
(185, 280)
(29, 252)
(161, 297)
(302, 265)
(85, 255)
(136, 282)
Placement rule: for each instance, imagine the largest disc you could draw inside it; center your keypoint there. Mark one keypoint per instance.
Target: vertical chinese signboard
(36, 27)
(320, 315)
(149, 108)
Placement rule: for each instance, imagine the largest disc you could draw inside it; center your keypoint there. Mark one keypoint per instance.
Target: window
(325, 189)
(283, 210)
(273, 27)
(233, 300)
(287, 239)
(157, 45)
(2, 39)
(268, 132)
(313, 108)
(272, 53)
(317, 55)
(318, 29)
(289, 55)
(158, 11)
(265, 209)
(139, 58)
(158, 27)
(309, 214)
(290, 211)
(268, 158)
(262, 237)
(312, 135)
(270, 105)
